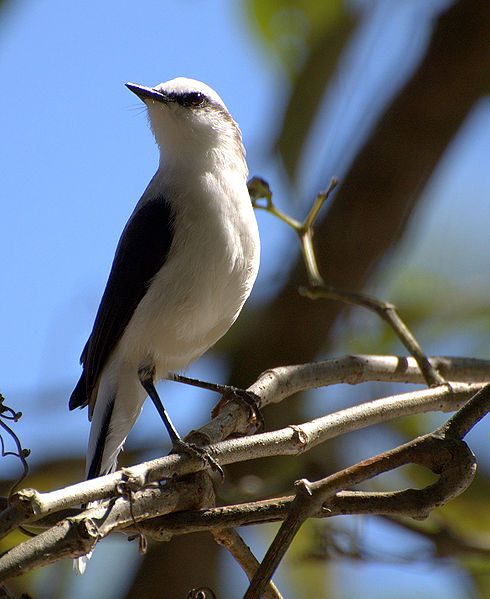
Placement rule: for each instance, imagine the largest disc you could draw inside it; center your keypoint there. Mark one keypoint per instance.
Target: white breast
(208, 275)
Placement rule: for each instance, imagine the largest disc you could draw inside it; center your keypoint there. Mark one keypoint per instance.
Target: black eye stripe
(190, 98)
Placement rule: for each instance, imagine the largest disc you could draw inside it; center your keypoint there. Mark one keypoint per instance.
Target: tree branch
(440, 451)
(317, 288)
(76, 535)
(233, 542)
(29, 505)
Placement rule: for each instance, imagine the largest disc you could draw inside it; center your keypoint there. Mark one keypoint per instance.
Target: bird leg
(178, 444)
(229, 393)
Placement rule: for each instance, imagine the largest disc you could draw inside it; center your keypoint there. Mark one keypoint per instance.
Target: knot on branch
(26, 501)
(303, 487)
(439, 454)
(86, 528)
(300, 438)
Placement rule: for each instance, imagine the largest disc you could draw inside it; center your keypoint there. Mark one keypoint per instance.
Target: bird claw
(181, 446)
(245, 398)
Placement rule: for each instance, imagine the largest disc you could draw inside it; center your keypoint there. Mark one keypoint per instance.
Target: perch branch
(155, 500)
(272, 386)
(29, 504)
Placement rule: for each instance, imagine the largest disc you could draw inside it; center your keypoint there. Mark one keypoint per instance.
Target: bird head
(189, 119)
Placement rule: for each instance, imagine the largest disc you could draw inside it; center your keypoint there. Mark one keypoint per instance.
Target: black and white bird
(184, 266)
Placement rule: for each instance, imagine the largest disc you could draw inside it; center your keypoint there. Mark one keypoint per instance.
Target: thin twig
(7, 413)
(466, 417)
(233, 542)
(388, 312)
(260, 190)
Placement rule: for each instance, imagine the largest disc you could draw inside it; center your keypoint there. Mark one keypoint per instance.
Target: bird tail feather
(114, 415)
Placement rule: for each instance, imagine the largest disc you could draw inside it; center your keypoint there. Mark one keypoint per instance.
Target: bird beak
(148, 93)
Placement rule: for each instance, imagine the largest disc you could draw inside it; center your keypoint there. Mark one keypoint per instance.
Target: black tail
(96, 462)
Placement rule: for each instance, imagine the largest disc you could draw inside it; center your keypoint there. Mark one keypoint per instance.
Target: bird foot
(245, 398)
(181, 446)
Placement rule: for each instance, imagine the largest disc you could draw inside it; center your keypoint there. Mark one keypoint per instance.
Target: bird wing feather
(141, 252)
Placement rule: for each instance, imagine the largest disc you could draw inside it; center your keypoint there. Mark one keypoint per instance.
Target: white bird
(184, 266)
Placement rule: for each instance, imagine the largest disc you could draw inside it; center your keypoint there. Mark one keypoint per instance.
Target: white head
(189, 119)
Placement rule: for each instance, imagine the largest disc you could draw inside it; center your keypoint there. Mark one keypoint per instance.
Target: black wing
(141, 252)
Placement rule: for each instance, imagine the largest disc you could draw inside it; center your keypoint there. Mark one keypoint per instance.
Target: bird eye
(193, 98)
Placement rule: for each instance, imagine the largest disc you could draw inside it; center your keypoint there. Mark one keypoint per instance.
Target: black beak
(148, 93)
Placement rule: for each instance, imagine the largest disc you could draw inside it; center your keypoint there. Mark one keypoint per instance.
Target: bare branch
(277, 384)
(259, 189)
(234, 543)
(389, 313)
(70, 538)
(66, 539)
(439, 451)
(29, 504)
(459, 425)
(78, 535)
(272, 386)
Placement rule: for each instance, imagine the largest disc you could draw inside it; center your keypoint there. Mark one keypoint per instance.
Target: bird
(184, 266)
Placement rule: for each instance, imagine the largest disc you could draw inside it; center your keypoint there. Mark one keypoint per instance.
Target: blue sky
(77, 154)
